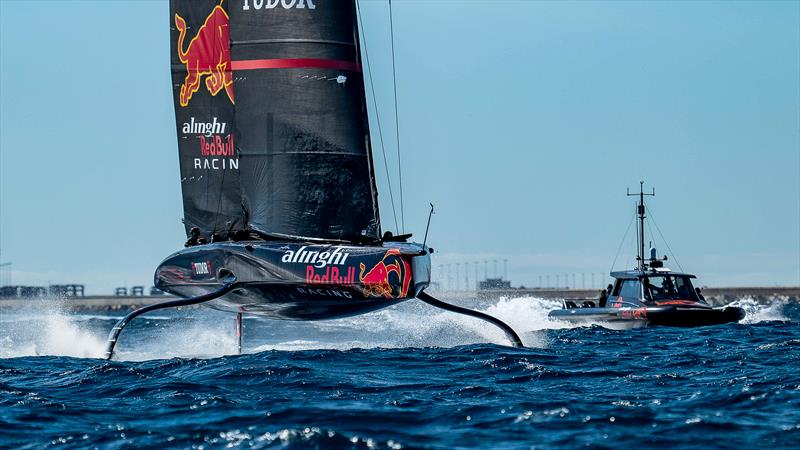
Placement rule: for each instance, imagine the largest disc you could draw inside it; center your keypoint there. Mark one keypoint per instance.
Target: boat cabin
(652, 287)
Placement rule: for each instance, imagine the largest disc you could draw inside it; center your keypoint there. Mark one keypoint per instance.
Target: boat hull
(295, 281)
(635, 317)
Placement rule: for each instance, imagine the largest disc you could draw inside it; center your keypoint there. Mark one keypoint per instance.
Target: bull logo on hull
(207, 55)
(377, 283)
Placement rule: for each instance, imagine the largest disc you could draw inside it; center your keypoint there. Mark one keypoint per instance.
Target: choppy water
(409, 377)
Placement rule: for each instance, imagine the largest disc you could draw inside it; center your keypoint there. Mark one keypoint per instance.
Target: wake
(203, 333)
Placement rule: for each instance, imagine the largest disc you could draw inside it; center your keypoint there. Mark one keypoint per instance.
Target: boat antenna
(640, 210)
(430, 214)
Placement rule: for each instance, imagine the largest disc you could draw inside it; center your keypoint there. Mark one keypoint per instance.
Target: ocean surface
(405, 377)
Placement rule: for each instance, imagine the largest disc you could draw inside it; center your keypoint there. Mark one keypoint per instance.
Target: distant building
(493, 284)
(137, 291)
(54, 290)
(9, 291)
(66, 290)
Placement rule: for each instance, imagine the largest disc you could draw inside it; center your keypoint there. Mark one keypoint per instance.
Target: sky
(524, 122)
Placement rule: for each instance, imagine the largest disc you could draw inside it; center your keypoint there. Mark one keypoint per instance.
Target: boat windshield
(669, 287)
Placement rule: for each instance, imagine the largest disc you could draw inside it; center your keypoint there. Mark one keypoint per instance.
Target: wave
(206, 334)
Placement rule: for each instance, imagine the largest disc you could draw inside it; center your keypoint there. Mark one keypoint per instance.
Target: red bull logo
(634, 313)
(377, 282)
(207, 55)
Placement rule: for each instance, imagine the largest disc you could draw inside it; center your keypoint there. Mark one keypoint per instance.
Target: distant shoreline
(715, 296)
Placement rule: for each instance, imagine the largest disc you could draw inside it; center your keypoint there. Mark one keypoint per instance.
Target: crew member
(604, 293)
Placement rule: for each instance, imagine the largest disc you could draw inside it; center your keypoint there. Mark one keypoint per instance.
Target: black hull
(670, 316)
(279, 302)
(292, 281)
(696, 317)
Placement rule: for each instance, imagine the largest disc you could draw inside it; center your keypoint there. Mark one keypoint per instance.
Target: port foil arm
(230, 284)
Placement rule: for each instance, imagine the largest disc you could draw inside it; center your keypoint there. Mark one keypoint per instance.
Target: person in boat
(668, 286)
(699, 295)
(604, 294)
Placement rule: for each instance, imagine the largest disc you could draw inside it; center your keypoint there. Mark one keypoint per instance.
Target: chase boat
(649, 295)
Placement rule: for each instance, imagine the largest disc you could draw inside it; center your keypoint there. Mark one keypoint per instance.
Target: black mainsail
(202, 85)
(301, 120)
(281, 212)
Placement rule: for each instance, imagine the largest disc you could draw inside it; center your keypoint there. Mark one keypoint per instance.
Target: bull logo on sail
(207, 55)
(377, 281)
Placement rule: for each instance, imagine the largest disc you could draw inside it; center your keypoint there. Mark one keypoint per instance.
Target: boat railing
(578, 303)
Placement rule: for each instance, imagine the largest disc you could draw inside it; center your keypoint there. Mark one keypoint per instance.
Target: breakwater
(715, 296)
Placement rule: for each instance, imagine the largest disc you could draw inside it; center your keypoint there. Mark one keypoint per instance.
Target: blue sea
(405, 377)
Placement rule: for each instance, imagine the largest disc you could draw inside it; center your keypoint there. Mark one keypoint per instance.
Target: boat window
(669, 287)
(617, 287)
(630, 289)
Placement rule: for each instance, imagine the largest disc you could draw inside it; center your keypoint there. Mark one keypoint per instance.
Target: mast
(640, 211)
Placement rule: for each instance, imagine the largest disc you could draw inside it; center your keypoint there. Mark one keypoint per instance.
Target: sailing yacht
(280, 203)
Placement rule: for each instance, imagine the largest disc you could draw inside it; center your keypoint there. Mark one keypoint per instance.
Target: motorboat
(649, 295)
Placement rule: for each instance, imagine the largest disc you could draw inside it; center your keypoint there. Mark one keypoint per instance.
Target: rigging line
(664, 239)
(363, 34)
(627, 230)
(396, 121)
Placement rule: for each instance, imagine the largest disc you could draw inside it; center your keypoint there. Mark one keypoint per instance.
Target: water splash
(51, 332)
(204, 333)
(528, 313)
(414, 324)
(756, 311)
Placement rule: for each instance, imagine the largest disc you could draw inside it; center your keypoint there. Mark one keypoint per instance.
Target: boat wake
(204, 333)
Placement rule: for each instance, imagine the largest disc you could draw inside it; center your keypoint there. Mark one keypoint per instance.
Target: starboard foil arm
(510, 333)
(230, 284)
